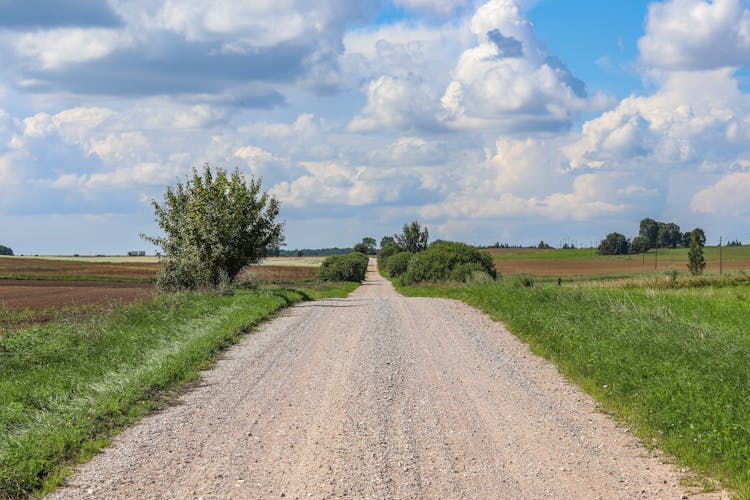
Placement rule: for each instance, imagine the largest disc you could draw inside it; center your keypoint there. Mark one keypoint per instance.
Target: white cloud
(696, 34)
(400, 103)
(681, 123)
(509, 80)
(58, 47)
(142, 174)
(729, 196)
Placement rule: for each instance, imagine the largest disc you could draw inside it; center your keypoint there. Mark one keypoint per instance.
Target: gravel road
(378, 396)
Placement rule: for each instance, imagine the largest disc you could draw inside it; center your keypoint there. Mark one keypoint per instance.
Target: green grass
(66, 387)
(674, 364)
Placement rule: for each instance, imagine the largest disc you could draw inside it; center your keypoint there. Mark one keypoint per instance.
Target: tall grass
(672, 363)
(65, 386)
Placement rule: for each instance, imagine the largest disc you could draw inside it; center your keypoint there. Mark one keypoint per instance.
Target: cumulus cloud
(393, 102)
(696, 34)
(509, 80)
(681, 123)
(728, 196)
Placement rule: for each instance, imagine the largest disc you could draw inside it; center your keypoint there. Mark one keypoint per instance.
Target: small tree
(696, 260)
(214, 226)
(413, 238)
(5, 250)
(386, 241)
(366, 246)
(614, 244)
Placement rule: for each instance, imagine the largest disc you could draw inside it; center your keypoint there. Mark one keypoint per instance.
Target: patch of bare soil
(379, 396)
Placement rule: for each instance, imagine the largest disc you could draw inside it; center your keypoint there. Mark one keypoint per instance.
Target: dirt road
(378, 396)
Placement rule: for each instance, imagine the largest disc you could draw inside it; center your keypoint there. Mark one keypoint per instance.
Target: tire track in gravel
(378, 396)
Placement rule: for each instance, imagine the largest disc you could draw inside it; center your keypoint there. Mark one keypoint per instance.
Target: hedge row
(348, 267)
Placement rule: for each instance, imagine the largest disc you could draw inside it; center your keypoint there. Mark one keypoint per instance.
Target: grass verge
(674, 364)
(66, 387)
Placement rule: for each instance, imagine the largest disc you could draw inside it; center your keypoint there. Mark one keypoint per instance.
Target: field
(585, 262)
(35, 290)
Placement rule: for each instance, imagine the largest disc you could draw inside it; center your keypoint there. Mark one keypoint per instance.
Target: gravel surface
(378, 396)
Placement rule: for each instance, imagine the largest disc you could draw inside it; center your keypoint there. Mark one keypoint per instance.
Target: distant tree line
(655, 234)
(5, 250)
(651, 234)
(308, 252)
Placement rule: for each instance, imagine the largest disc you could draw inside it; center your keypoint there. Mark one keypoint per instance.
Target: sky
(507, 121)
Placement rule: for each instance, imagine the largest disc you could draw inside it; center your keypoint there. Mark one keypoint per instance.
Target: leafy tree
(366, 246)
(669, 235)
(686, 239)
(387, 241)
(639, 245)
(700, 235)
(614, 244)
(543, 246)
(214, 225)
(649, 229)
(5, 250)
(413, 238)
(696, 260)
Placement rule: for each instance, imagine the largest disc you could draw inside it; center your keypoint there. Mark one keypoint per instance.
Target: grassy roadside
(67, 386)
(674, 364)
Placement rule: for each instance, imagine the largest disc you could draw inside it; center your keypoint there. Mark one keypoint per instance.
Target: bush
(398, 263)
(349, 267)
(215, 224)
(446, 261)
(384, 254)
(5, 250)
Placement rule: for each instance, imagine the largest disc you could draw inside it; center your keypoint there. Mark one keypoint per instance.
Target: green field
(672, 363)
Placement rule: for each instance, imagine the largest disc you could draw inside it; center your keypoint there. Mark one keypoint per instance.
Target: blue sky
(496, 120)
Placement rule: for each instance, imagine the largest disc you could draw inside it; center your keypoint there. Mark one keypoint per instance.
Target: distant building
(137, 253)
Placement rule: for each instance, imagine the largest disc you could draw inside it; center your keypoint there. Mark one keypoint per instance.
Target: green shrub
(384, 254)
(448, 260)
(349, 267)
(398, 263)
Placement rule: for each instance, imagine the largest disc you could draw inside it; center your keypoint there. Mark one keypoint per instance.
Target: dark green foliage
(349, 267)
(649, 230)
(639, 245)
(669, 235)
(448, 261)
(614, 244)
(543, 246)
(413, 238)
(696, 260)
(5, 250)
(215, 225)
(398, 263)
(366, 246)
(387, 241)
(384, 254)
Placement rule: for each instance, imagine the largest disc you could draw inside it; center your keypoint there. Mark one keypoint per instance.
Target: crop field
(36, 290)
(585, 262)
